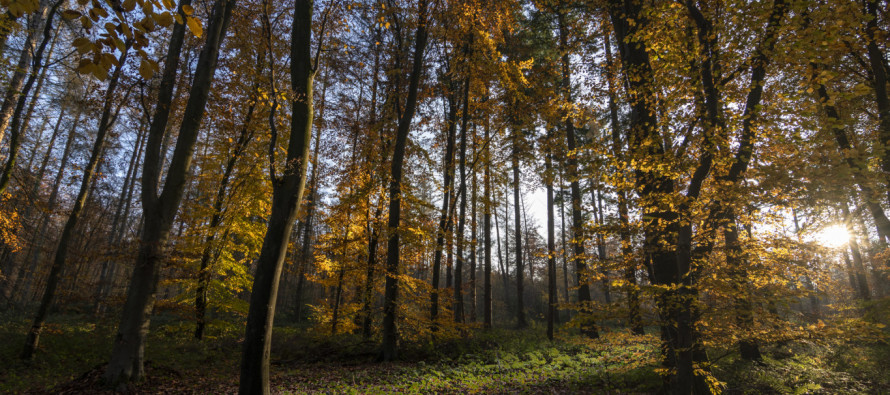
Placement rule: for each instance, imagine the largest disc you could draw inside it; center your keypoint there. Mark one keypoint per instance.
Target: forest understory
(496, 361)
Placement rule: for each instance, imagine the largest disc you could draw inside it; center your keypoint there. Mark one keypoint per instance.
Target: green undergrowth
(75, 346)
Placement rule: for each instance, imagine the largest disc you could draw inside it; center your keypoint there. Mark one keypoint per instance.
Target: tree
(389, 349)
(159, 209)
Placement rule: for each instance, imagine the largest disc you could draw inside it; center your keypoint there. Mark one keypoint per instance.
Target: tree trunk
(629, 265)
(105, 123)
(287, 194)
(127, 357)
(20, 98)
(551, 245)
(462, 192)
(390, 331)
(444, 217)
(486, 233)
(23, 69)
(204, 273)
(588, 326)
(878, 63)
(473, 241)
(520, 274)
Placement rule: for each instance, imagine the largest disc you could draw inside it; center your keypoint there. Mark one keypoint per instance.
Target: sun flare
(833, 236)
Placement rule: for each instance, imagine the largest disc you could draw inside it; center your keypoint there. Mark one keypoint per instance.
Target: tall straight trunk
(473, 241)
(306, 243)
(159, 209)
(678, 330)
(368, 298)
(48, 154)
(105, 124)
(205, 273)
(287, 193)
(504, 263)
(736, 257)
(118, 222)
(551, 246)
(520, 303)
(565, 251)
(629, 265)
(878, 62)
(601, 243)
(374, 235)
(486, 232)
(588, 327)
(345, 243)
(35, 97)
(27, 269)
(462, 216)
(444, 216)
(389, 349)
(23, 68)
(20, 98)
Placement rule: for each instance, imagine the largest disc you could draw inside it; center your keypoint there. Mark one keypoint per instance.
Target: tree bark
(461, 225)
(520, 274)
(389, 346)
(287, 193)
(486, 233)
(127, 357)
(588, 326)
(204, 273)
(444, 217)
(105, 124)
(44, 19)
(22, 69)
(629, 265)
(551, 246)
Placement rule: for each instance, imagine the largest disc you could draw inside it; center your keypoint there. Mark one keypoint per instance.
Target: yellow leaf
(195, 26)
(145, 69)
(164, 19)
(187, 10)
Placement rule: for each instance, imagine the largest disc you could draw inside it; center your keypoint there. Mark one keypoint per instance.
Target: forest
(445, 196)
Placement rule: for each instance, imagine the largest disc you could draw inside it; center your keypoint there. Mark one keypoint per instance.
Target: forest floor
(73, 348)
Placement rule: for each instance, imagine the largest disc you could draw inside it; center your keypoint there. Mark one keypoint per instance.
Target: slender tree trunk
(306, 244)
(287, 195)
(119, 222)
(374, 236)
(20, 98)
(588, 327)
(372, 264)
(629, 265)
(105, 124)
(601, 245)
(486, 225)
(552, 300)
(389, 349)
(159, 209)
(205, 274)
(458, 272)
(14, 90)
(26, 270)
(878, 63)
(473, 241)
(520, 303)
(444, 217)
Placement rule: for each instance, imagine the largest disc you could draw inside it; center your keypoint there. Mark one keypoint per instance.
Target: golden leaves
(195, 26)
